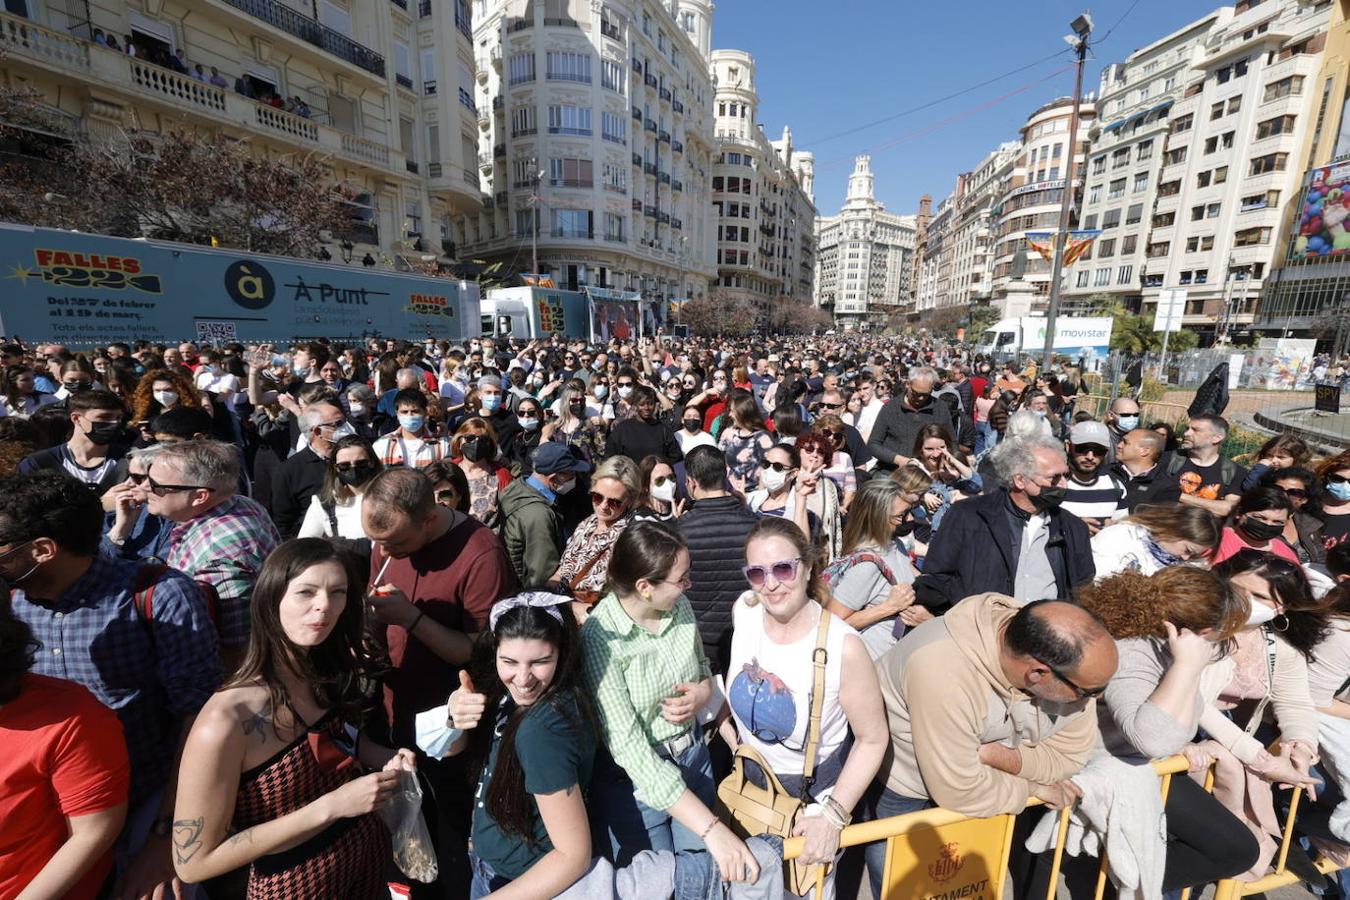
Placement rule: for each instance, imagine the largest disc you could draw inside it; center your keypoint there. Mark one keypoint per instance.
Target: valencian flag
(1043, 242)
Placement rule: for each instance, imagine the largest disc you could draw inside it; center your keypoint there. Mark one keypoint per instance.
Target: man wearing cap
(1094, 494)
(531, 526)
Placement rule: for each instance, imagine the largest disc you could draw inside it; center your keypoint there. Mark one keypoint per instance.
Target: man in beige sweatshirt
(989, 705)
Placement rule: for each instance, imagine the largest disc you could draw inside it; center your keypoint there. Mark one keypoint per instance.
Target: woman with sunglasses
(448, 485)
(656, 500)
(781, 493)
(645, 671)
(1257, 523)
(769, 686)
(576, 424)
(816, 449)
(1335, 514)
(1266, 672)
(1154, 537)
(474, 449)
(615, 486)
(335, 511)
(530, 413)
(1303, 532)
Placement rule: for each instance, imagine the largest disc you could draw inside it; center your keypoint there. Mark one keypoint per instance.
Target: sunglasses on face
(776, 466)
(137, 478)
(163, 490)
(1089, 450)
(353, 466)
(599, 499)
(1296, 493)
(1333, 478)
(825, 405)
(784, 572)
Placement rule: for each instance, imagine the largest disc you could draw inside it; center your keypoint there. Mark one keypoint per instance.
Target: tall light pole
(1082, 29)
(536, 200)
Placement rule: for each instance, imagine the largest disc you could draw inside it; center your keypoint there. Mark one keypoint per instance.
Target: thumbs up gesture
(466, 705)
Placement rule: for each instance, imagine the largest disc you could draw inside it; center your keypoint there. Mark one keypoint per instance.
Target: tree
(719, 314)
(1134, 334)
(792, 317)
(178, 186)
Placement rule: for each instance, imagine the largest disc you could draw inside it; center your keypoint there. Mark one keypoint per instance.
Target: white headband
(549, 603)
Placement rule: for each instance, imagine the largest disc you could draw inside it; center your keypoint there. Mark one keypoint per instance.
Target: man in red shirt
(64, 777)
(436, 573)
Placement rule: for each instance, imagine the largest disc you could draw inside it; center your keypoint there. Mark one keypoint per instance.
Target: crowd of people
(572, 594)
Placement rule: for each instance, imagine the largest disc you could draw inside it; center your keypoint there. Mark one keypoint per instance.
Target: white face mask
(664, 492)
(773, 480)
(565, 488)
(1260, 614)
(166, 398)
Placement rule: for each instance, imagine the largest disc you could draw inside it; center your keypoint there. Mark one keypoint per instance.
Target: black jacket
(1154, 486)
(897, 426)
(637, 439)
(297, 480)
(715, 529)
(973, 552)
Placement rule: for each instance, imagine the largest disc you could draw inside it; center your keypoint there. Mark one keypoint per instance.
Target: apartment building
(864, 256)
(1231, 161)
(1033, 187)
(973, 227)
(761, 196)
(596, 139)
(383, 87)
(1125, 158)
(922, 220)
(935, 276)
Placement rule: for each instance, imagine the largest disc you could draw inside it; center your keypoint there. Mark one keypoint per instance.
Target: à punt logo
(948, 863)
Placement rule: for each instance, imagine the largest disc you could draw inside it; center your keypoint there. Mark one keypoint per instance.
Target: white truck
(1074, 337)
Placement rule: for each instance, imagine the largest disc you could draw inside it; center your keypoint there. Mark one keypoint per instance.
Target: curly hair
(145, 407)
(1134, 605)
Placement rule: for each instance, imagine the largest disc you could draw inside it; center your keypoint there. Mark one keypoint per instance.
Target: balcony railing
(435, 170)
(561, 23)
(424, 9)
(649, 125)
(615, 238)
(402, 4)
(664, 136)
(663, 218)
(649, 168)
(677, 185)
(610, 30)
(637, 114)
(32, 40)
(649, 212)
(663, 177)
(466, 100)
(637, 65)
(403, 80)
(279, 120)
(578, 234)
(178, 87)
(312, 32)
(676, 224)
(637, 159)
(637, 205)
(665, 95)
(650, 80)
(463, 24)
(411, 165)
(677, 106)
(677, 146)
(519, 24)
(571, 182)
(429, 87)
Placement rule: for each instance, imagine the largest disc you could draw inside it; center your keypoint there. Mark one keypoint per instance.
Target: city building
(921, 222)
(973, 229)
(1032, 190)
(864, 255)
(596, 144)
(1125, 158)
(1231, 162)
(1308, 294)
(762, 197)
(939, 260)
(382, 89)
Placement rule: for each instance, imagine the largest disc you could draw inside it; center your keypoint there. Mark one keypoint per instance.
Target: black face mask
(356, 475)
(919, 401)
(692, 425)
(477, 449)
(104, 433)
(1050, 497)
(1262, 531)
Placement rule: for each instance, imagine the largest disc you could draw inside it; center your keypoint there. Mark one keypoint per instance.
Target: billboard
(83, 289)
(1323, 214)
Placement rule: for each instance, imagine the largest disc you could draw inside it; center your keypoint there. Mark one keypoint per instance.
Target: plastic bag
(414, 853)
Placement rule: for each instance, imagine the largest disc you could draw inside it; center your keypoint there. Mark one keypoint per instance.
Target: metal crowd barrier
(947, 855)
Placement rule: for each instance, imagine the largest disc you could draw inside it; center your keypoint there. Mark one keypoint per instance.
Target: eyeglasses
(163, 490)
(1084, 693)
(1296, 493)
(784, 572)
(684, 582)
(599, 499)
(353, 466)
(447, 495)
(137, 478)
(824, 405)
(16, 548)
(1333, 478)
(776, 466)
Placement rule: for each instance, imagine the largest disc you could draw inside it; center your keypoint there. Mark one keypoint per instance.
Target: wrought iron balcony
(434, 170)
(498, 102)
(312, 32)
(649, 125)
(650, 80)
(664, 136)
(637, 114)
(424, 9)
(637, 205)
(665, 95)
(677, 185)
(677, 146)
(663, 177)
(676, 224)
(401, 4)
(637, 65)
(403, 80)
(677, 106)
(649, 212)
(649, 168)
(610, 30)
(411, 164)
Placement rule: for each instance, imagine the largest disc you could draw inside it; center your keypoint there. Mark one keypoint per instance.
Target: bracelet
(821, 811)
(838, 809)
(711, 825)
(416, 621)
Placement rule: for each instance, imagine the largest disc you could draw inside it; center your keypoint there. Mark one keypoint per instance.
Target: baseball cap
(552, 458)
(1089, 433)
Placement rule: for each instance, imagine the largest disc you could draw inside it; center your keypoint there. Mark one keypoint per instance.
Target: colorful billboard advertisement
(1323, 229)
(83, 289)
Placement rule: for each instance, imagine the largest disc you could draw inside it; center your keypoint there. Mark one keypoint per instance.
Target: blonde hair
(623, 470)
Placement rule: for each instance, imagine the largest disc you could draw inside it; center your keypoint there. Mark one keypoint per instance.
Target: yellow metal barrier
(948, 854)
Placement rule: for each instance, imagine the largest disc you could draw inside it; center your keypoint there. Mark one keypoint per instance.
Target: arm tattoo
(187, 838)
(257, 723)
(243, 837)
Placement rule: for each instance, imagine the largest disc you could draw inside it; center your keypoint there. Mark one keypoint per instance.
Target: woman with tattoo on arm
(272, 772)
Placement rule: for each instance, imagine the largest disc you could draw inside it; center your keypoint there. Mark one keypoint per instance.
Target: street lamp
(535, 202)
(1082, 29)
(346, 249)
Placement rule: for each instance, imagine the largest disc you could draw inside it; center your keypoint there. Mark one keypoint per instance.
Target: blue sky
(827, 68)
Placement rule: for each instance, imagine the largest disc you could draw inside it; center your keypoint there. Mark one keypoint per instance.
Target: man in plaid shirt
(219, 538)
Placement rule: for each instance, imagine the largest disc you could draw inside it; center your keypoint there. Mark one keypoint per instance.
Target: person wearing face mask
(1015, 540)
(301, 476)
(412, 444)
(782, 493)
(1335, 515)
(494, 408)
(1258, 522)
(158, 390)
(1121, 419)
(361, 409)
(643, 434)
(898, 423)
(531, 525)
(691, 433)
(474, 450)
(530, 414)
(98, 440)
(335, 511)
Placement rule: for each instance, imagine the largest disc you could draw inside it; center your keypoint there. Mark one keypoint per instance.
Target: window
(1140, 182)
(613, 75)
(569, 120)
(1095, 194)
(1083, 277)
(1169, 188)
(525, 171)
(565, 172)
(1211, 144)
(614, 128)
(1277, 125)
(572, 223)
(1197, 212)
(564, 66)
(428, 71)
(1212, 210)
(522, 121)
(1128, 245)
(1103, 278)
(1120, 157)
(1099, 165)
(1172, 157)
(1117, 189)
(520, 68)
(403, 63)
(1216, 111)
(1106, 248)
(1134, 214)
(1249, 237)
(1163, 220)
(1202, 180)
(1159, 249)
(1111, 219)
(1220, 174)
(613, 227)
(1182, 123)
(1234, 104)
(1285, 87)
(1201, 276)
(1271, 162)
(1144, 150)
(616, 177)
(525, 222)
(1090, 222)
(1123, 274)
(1264, 200)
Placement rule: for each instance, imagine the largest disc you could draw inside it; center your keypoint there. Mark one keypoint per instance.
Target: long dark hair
(18, 648)
(1304, 621)
(507, 801)
(342, 669)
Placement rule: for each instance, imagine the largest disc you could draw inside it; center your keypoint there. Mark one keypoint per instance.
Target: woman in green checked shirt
(644, 665)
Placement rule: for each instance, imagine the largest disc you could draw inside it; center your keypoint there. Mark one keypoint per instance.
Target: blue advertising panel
(83, 289)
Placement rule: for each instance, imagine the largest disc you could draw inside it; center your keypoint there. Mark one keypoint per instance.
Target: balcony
(637, 159)
(411, 165)
(677, 146)
(463, 24)
(610, 30)
(676, 224)
(575, 234)
(435, 170)
(637, 205)
(519, 24)
(560, 23)
(311, 32)
(401, 4)
(485, 162)
(665, 95)
(429, 87)
(637, 65)
(663, 177)
(663, 218)
(498, 103)
(614, 238)
(424, 9)
(404, 81)
(499, 151)
(649, 212)
(470, 177)
(677, 186)
(677, 106)
(664, 136)
(649, 125)
(650, 80)
(466, 100)
(571, 182)
(649, 168)
(637, 114)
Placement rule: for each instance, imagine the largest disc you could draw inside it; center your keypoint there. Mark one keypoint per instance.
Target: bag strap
(1259, 713)
(585, 570)
(329, 508)
(819, 657)
(147, 576)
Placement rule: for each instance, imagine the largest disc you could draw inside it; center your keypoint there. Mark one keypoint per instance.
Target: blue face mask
(1339, 489)
(412, 423)
(1127, 423)
(491, 402)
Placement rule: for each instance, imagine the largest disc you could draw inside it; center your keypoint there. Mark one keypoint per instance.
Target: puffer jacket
(532, 533)
(715, 529)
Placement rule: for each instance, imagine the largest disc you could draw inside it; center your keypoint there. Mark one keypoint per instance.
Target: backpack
(148, 577)
(835, 570)
(1227, 468)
